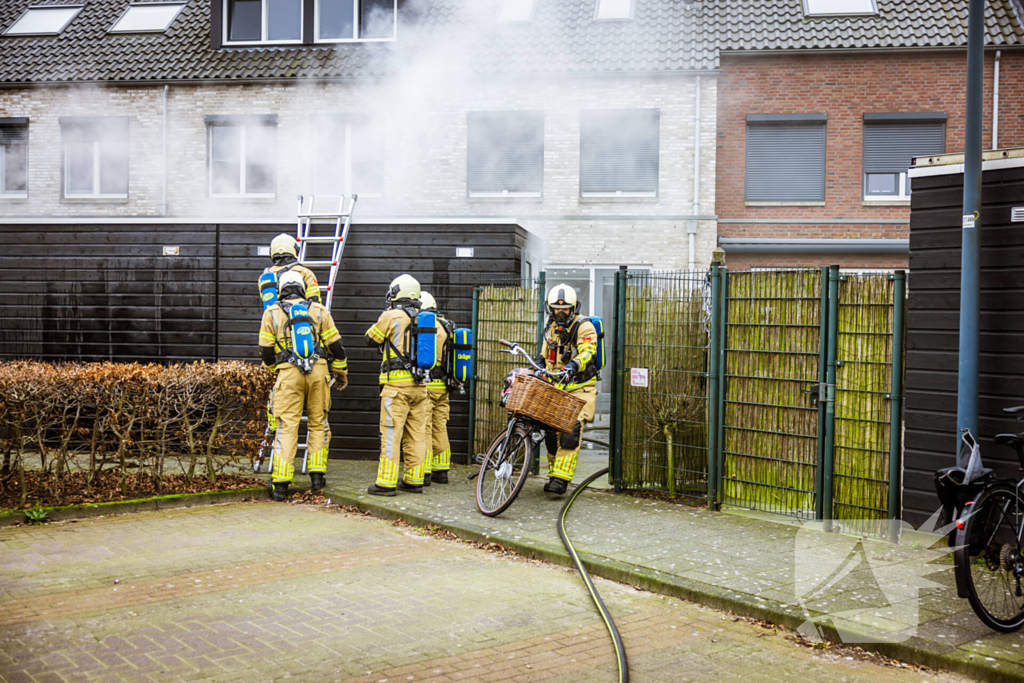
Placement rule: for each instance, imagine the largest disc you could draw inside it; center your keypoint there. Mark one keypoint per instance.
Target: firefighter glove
(341, 379)
(571, 368)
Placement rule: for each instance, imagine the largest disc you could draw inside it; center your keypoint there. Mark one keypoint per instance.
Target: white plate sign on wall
(463, 252)
(1017, 214)
(638, 377)
(172, 251)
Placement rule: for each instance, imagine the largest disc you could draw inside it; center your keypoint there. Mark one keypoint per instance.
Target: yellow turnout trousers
(563, 463)
(292, 391)
(439, 450)
(403, 426)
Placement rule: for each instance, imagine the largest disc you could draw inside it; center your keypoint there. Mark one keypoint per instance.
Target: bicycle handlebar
(517, 350)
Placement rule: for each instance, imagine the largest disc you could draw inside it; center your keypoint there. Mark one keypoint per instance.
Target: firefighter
(439, 450)
(285, 258)
(403, 396)
(295, 386)
(570, 343)
(284, 252)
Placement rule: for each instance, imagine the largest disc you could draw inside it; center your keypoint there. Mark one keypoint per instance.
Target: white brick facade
(424, 160)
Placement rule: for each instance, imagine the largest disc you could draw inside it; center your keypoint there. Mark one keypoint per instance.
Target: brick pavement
(285, 592)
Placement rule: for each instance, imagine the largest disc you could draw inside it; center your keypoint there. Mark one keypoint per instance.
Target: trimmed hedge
(129, 418)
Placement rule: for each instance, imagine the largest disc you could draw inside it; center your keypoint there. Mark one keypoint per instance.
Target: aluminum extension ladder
(307, 218)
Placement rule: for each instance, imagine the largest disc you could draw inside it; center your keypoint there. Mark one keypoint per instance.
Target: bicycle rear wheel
(990, 557)
(503, 471)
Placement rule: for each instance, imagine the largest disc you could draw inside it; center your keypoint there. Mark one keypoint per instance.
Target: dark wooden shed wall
(933, 328)
(105, 292)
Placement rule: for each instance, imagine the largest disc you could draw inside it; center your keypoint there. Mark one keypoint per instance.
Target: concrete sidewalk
(747, 565)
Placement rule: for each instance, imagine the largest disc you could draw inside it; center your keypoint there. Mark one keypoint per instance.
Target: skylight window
(148, 18)
(43, 21)
(516, 10)
(614, 9)
(839, 7)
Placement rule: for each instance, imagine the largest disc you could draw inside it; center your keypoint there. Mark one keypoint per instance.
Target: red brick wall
(845, 86)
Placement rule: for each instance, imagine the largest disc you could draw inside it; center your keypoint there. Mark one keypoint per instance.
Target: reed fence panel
(505, 311)
(665, 424)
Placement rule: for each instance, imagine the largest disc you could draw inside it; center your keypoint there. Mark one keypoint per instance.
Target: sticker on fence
(638, 377)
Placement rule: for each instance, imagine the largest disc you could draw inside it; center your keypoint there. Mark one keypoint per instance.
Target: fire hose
(620, 650)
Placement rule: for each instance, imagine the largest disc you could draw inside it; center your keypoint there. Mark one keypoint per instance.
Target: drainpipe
(163, 192)
(995, 104)
(691, 226)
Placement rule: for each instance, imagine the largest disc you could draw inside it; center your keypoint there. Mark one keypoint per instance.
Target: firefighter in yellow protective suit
(570, 343)
(301, 381)
(284, 256)
(439, 449)
(403, 396)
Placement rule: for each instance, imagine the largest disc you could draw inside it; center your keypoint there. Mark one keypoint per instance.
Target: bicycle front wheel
(503, 471)
(990, 557)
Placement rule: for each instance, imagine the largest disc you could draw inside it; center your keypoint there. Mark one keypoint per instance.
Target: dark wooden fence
(106, 292)
(933, 328)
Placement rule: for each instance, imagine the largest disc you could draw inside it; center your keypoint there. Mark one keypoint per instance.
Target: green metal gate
(504, 310)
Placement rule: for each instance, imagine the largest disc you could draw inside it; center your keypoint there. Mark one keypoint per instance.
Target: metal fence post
(622, 280)
(541, 296)
(830, 396)
(723, 343)
(614, 441)
(896, 406)
(713, 362)
(472, 378)
(821, 391)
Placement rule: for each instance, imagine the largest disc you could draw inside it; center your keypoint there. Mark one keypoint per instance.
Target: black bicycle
(989, 555)
(506, 464)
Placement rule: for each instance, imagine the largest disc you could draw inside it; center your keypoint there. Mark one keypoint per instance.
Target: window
(339, 20)
(263, 21)
(890, 142)
(42, 21)
(841, 7)
(147, 18)
(95, 156)
(349, 157)
(614, 9)
(516, 10)
(242, 155)
(619, 152)
(785, 159)
(14, 157)
(505, 155)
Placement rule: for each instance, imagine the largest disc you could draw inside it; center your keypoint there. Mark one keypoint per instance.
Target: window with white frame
(242, 153)
(619, 152)
(516, 10)
(505, 153)
(347, 20)
(839, 7)
(263, 21)
(13, 157)
(150, 17)
(891, 141)
(95, 156)
(348, 155)
(43, 21)
(614, 9)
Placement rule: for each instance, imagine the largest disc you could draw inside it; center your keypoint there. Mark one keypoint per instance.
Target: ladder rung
(333, 216)
(325, 238)
(319, 263)
(325, 288)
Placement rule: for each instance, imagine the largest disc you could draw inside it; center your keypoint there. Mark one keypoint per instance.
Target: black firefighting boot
(439, 476)
(375, 490)
(426, 480)
(411, 488)
(278, 491)
(556, 485)
(317, 481)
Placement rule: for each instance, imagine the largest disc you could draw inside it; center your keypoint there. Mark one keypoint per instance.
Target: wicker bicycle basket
(547, 404)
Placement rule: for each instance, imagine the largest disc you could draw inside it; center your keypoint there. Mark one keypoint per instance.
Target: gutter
(691, 226)
(163, 189)
(786, 245)
(995, 102)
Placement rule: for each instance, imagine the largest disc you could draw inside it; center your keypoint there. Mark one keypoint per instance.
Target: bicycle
(989, 552)
(505, 465)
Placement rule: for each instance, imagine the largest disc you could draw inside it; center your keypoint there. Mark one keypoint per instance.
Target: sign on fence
(638, 377)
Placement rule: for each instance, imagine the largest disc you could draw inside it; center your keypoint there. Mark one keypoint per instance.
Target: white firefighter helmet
(562, 303)
(283, 244)
(404, 286)
(427, 301)
(293, 279)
